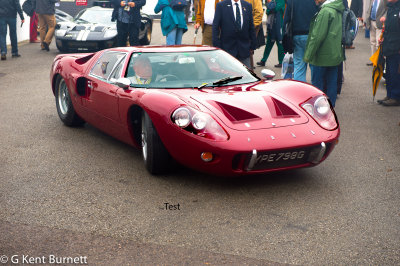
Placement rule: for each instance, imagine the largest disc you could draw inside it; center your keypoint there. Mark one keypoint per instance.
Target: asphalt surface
(78, 193)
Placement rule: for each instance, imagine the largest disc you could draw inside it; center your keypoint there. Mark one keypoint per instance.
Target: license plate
(278, 159)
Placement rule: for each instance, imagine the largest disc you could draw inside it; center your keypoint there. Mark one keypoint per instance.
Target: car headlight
(60, 33)
(320, 109)
(110, 33)
(199, 123)
(181, 117)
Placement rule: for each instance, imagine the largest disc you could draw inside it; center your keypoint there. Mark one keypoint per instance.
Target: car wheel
(65, 109)
(155, 155)
(61, 49)
(147, 37)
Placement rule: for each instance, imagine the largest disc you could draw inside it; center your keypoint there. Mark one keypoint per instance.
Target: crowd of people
(236, 27)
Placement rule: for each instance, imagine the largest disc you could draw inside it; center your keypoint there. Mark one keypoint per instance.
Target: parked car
(92, 30)
(197, 105)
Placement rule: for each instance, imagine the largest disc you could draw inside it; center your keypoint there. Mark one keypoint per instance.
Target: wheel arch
(135, 123)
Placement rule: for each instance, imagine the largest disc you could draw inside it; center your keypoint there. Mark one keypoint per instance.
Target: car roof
(165, 48)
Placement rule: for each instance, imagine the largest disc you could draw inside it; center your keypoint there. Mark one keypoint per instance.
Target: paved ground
(72, 192)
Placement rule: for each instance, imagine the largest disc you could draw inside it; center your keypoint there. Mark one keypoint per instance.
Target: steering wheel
(168, 77)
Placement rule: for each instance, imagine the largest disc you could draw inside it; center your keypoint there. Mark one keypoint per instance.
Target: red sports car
(196, 105)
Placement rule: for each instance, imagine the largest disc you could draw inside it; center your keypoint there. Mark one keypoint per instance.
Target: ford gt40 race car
(92, 30)
(196, 105)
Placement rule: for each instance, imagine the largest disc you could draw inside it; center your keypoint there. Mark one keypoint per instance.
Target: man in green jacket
(324, 51)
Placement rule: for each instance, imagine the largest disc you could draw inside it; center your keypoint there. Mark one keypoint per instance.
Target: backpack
(28, 7)
(178, 4)
(349, 27)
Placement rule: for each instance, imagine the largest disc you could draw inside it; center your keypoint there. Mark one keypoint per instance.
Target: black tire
(65, 109)
(155, 155)
(61, 49)
(147, 37)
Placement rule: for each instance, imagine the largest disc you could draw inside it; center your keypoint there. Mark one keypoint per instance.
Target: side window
(105, 64)
(116, 74)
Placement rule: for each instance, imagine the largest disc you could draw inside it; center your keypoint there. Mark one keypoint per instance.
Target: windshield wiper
(222, 81)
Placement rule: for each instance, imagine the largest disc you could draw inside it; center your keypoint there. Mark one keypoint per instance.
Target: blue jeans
(327, 76)
(12, 24)
(300, 67)
(175, 36)
(393, 76)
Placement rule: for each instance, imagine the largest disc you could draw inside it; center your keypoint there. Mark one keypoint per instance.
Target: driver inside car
(143, 71)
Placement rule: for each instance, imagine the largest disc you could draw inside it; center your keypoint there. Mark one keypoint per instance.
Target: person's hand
(123, 3)
(22, 21)
(131, 4)
(383, 19)
(197, 25)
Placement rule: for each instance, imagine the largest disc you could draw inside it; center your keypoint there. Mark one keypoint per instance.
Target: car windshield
(97, 16)
(196, 69)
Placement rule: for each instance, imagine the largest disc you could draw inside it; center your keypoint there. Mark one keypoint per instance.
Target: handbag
(287, 39)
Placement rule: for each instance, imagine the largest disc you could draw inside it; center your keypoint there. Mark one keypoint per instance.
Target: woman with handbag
(275, 10)
(173, 22)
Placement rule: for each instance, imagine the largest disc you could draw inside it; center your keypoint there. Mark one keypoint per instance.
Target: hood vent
(79, 28)
(234, 114)
(280, 110)
(99, 28)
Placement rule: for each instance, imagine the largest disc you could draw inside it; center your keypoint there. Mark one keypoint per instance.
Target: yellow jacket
(200, 11)
(257, 11)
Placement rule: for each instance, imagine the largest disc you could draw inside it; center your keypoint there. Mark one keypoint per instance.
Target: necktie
(238, 22)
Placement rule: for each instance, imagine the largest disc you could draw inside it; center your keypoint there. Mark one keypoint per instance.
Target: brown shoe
(369, 64)
(382, 100)
(261, 63)
(391, 102)
(278, 66)
(3, 57)
(46, 46)
(350, 47)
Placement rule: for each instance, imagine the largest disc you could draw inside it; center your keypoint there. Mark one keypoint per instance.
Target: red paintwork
(106, 107)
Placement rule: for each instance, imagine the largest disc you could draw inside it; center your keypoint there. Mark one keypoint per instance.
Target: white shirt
(209, 12)
(240, 9)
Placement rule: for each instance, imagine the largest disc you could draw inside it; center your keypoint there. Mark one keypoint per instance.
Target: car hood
(71, 26)
(242, 109)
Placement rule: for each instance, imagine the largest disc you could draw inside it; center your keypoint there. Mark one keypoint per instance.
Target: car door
(102, 99)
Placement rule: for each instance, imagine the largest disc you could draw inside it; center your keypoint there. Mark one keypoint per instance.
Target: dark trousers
(11, 22)
(325, 75)
(125, 30)
(393, 76)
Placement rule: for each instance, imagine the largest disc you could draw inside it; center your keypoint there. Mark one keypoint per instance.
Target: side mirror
(123, 83)
(267, 74)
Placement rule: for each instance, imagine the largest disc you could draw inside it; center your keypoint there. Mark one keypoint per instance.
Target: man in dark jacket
(45, 10)
(391, 50)
(233, 29)
(8, 17)
(127, 14)
(303, 12)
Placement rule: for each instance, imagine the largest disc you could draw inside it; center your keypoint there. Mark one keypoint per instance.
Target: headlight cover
(60, 33)
(110, 33)
(199, 123)
(320, 109)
